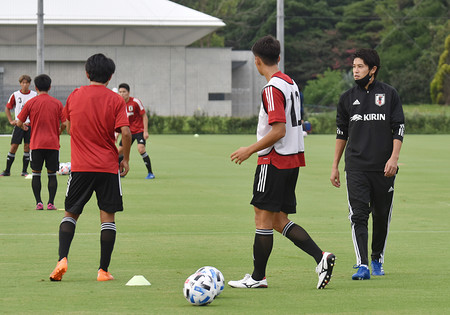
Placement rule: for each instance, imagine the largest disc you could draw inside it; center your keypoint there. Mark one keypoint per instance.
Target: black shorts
(19, 134)
(137, 136)
(51, 158)
(274, 189)
(81, 185)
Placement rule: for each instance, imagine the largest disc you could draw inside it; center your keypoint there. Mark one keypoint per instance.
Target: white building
(147, 40)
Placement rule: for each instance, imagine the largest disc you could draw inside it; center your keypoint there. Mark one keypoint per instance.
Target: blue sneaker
(362, 273)
(377, 268)
(150, 176)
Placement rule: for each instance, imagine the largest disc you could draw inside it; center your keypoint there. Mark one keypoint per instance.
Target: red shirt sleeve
(274, 104)
(121, 115)
(11, 102)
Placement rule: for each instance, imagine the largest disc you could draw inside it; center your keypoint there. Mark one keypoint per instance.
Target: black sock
(66, 233)
(107, 240)
(302, 240)
(36, 186)
(147, 162)
(9, 161)
(52, 186)
(26, 161)
(262, 247)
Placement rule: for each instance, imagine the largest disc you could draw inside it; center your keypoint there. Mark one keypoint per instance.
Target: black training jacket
(369, 121)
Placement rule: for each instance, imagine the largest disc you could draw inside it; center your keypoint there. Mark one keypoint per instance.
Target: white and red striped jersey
(281, 103)
(17, 101)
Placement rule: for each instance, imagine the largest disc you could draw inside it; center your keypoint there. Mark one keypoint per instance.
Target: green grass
(196, 212)
(427, 109)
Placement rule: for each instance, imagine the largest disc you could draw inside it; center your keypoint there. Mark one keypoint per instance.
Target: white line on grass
(202, 233)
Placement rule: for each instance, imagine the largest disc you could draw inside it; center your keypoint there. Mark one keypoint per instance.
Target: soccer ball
(64, 168)
(216, 275)
(199, 289)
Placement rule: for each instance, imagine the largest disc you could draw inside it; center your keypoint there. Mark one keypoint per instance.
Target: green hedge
(322, 123)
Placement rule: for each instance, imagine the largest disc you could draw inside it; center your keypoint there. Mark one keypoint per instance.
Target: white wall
(168, 80)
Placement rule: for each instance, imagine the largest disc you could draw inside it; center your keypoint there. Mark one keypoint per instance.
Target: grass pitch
(196, 212)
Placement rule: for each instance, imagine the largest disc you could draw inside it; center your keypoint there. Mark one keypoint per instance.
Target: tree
(408, 45)
(440, 86)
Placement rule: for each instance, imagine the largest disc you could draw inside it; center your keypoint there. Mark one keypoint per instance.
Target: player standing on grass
(17, 100)
(45, 114)
(93, 114)
(138, 125)
(370, 127)
(280, 151)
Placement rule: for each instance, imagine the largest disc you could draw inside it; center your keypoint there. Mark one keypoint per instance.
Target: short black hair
(42, 82)
(124, 86)
(100, 68)
(370, 58)
(268, 49)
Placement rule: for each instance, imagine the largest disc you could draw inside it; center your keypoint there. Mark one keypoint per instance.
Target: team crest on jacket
(379, 99)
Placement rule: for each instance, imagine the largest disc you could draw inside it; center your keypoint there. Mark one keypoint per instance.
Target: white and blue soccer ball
(216, 275)
(64, 168)
(199, 289)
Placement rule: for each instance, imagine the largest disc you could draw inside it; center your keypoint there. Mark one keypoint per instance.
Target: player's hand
(124, 167)
(240, 155)
(335, 178)
(13, 122)
(145, 135)
(25, 127)
(390, 169)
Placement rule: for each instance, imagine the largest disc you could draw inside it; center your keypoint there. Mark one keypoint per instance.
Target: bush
(322, 123)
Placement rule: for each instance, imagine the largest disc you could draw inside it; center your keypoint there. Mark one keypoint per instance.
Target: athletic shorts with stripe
(137, 136)
(19, 134)
(81, 185)
(274, 189)
(51, 158)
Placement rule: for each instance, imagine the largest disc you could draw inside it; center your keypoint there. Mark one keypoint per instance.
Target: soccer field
(197, 212)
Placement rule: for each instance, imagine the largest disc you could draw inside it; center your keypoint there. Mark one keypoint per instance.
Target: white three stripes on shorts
(262, 178)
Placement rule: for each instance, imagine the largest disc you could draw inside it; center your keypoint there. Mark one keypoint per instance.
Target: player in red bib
(138, 126)
(93, 114)
(47, 119)
(17, 101)
(280, 151)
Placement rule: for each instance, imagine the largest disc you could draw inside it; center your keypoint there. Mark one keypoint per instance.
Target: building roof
(105, 22)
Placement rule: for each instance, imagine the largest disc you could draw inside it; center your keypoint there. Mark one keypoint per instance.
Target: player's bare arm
(62, 127)
(276, 133)
(67, 124)
(335, 176)
(390, 169)
(21, 125)
(145, 122)
(10, 119)
(126, 144)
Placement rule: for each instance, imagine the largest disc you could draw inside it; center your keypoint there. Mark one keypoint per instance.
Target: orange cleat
(60, 270)
(104, 275)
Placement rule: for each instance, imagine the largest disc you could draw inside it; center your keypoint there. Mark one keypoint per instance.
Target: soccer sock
(147, 162)
(36, 186)
(26, 161)
(52, 186)
(66, 233)
(262, 247)
(107, 240)
(302, 240)
(9, 161)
